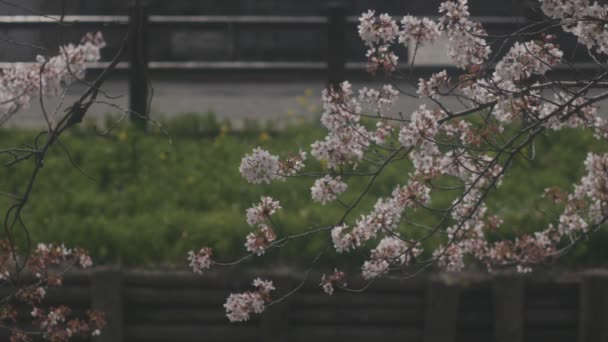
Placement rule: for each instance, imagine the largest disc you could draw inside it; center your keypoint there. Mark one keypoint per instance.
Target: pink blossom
(259, 241)
(343, 242)
(240, 306)
(262, 211)
(418, 31)
(390, 251)
(260, 167)
(23, 82)
(200, 260)
(328, 281)
(327, 189)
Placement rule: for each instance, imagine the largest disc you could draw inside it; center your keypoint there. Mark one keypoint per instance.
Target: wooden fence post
(508, 302)
(138, 64)
(336, 44)
(106, 296)
(593, 307)
(441, 312)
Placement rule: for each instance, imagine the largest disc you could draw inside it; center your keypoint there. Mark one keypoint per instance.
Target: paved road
(270, 100)
(236, 101)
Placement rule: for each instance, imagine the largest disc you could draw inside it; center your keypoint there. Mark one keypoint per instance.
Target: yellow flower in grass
(122, 135)
(301, 100)
(163, 156)
(264, 137)
(308, 92)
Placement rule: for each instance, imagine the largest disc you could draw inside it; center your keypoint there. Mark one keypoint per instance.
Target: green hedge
(146, 199)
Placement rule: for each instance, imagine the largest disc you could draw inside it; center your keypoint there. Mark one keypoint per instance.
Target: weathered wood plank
(593, 318)
(107, 296)
(191, 333)
(143, 296)
(328, 333)
(363, 300)
(441, 314)
(275, 320)
(379, 316)
(508, 295)
(172, 315)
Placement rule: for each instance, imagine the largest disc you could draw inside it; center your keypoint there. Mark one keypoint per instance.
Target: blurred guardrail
(335, 24)
(155, 306)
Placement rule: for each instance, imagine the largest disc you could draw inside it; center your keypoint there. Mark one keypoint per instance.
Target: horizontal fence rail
(171, 306)
(267, 20)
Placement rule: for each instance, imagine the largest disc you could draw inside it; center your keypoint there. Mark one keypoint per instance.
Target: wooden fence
(180, 307)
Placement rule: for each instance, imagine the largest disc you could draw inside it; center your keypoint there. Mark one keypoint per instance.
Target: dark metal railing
(138, 22)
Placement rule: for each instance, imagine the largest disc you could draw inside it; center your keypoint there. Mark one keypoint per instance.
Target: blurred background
(219, 78)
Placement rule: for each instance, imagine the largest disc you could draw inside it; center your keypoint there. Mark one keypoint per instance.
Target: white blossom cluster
(421, 130)
(379, 100)
(391, 251)
(260, 167)
(262, 211)
(384, 218)
(327, 189)
(257, 242)
(240, 306)
(586, 21)
(525, 59)
(467, 46)
(200, 260)
(48, 76)
(329, 281)
(430, 87)
(418, 31)
(347, 139)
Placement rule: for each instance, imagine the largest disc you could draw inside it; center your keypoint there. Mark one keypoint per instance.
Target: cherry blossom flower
(418, 31)
(327, 189)
(430, 87)
(390, 251)
(525, 59)
(381, 58)
(240, 306)
(467, 47)
(23, 82)
(422, 128)
(258, 241)
(379, 100)
(292, 165)
(200, 260)
(382, 29)
(328, 281)
(260, 167)
(343, 242)
(262, 211)
(51, 323)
